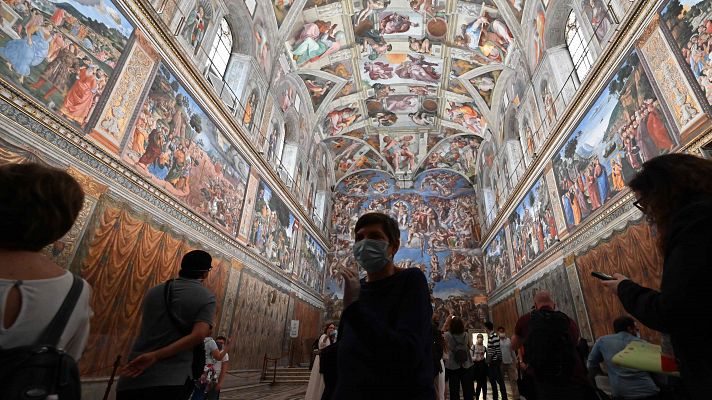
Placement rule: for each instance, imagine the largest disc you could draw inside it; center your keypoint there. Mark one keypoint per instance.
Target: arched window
(580, 53)
(221, 50)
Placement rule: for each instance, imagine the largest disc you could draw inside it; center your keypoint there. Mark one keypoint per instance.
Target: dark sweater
(683, 306)
(385, 345)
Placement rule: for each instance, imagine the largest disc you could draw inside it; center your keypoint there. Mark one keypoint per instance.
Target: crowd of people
(389, 345)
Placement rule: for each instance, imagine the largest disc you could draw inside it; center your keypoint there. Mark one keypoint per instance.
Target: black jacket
(683, 306)
(385, 341)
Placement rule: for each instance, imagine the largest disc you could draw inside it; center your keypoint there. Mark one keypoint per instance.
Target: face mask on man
(371, 254)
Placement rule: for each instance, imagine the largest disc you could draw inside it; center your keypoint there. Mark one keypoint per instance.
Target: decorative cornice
(585, 94)
(174, 55)
(127, 182)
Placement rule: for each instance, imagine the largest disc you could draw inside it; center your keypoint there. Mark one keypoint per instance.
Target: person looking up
(385, 343)
(626, 383)
(674, 191)
(177, 316)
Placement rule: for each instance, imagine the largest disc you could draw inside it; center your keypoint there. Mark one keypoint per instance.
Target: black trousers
(496, 378)
(480, 369)
(461, 377)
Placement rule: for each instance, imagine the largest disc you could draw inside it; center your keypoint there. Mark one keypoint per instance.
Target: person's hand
(352, 286)
(139, 364)
(613, 285)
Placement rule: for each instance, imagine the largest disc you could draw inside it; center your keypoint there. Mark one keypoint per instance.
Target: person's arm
(684, 281)
(594, 361)
(223, 368)
(411, 331)
(518, 337)
(139, 364)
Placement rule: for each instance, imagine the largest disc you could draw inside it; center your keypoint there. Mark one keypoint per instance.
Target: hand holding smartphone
(602, 276)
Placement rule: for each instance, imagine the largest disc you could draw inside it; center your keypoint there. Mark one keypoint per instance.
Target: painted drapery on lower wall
(505, 314)
(633, 253)
(122, 258)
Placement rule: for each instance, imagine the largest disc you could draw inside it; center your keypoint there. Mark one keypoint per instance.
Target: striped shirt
(494, 350)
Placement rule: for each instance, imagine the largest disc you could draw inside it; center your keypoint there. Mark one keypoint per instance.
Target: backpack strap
(174, 318)
(53, 332)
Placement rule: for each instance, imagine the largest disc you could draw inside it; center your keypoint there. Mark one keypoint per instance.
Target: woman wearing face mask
(479, 353)
(315, 388)
(674, 192)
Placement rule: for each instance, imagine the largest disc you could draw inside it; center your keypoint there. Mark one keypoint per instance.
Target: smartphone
(602, 276)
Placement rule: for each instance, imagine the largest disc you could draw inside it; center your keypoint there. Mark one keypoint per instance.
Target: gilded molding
(90, 186)
(129, 182)
(585, 95)
(187, 71)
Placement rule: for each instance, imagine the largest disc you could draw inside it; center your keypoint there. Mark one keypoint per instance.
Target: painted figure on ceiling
(419, 69)
(338, 120)
(31, 51)
(195, 26)
(316, 40)
(396, 23)
(371, 6)
(378, 70)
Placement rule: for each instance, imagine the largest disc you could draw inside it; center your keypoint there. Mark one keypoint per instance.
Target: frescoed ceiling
(401, 86)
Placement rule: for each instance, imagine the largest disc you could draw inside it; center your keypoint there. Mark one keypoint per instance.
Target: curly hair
(668, 183)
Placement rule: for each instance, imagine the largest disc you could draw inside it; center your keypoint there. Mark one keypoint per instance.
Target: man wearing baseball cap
(177, 316)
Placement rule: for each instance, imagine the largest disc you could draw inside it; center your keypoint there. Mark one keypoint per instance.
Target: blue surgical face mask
(371, 254)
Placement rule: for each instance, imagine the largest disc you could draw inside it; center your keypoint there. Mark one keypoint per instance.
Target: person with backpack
(549, 338)
(494, 362)
(44, 306)
(169, 351)
(459, 363)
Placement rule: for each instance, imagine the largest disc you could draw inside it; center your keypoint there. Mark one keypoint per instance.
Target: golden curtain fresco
(124, 257)
(259, 323)
(505, 314)
(310, 328)
(633, 253)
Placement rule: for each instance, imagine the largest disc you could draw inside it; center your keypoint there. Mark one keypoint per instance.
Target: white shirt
(210, 345)
(508, 355)
(41, 299)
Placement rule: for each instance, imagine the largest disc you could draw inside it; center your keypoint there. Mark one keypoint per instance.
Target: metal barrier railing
(263, 376)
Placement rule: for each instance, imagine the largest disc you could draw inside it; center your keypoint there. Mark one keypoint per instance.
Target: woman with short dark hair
(38, 206)
(315, 388)
(674, 192)
(459, 362)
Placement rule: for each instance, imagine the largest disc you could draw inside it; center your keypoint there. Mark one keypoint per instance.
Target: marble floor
(267, 392)
(287, 392)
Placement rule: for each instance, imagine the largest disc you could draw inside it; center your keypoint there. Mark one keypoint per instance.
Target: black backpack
(198, 364)
(42, 369)
(548, 347)
(460, 353)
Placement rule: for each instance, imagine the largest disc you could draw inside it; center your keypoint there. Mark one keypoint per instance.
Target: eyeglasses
(639, 206)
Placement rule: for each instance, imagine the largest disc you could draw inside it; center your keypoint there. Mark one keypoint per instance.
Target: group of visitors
(387, 345)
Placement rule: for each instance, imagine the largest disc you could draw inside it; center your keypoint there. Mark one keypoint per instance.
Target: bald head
(543, 299)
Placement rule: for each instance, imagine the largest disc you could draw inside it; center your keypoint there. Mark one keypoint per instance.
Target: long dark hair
(457, 327)
(668, 183)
